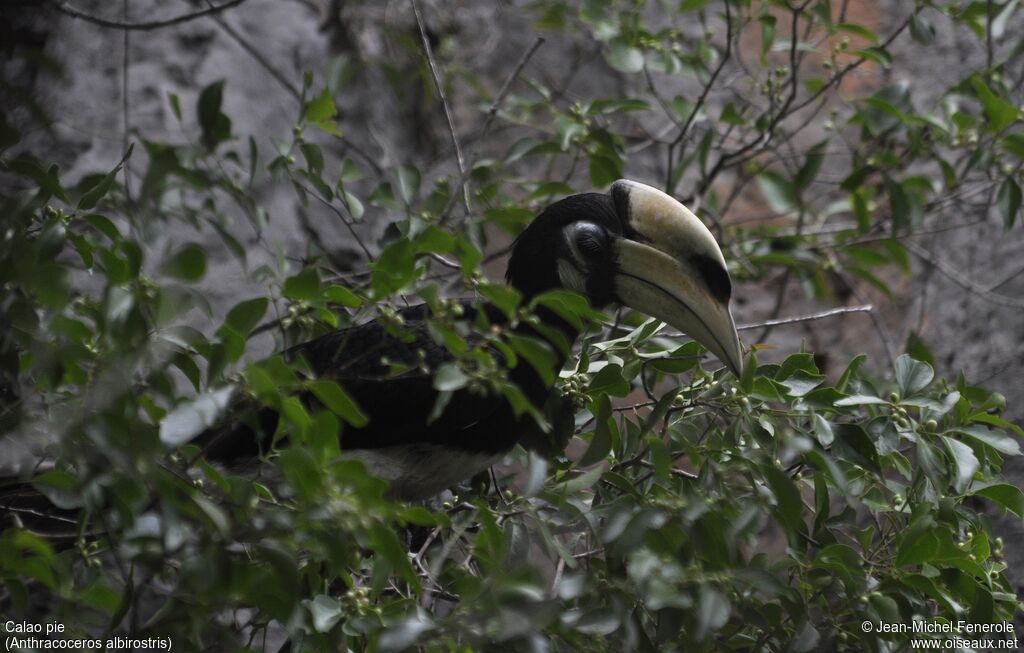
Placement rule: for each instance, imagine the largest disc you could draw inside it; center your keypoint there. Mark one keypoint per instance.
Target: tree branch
(432, 64)
(146, 26)
(810, 317)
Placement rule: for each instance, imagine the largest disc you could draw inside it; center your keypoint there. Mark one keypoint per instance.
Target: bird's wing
(390, 374)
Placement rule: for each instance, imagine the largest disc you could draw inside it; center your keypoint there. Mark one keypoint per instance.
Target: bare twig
(699, 104)
(68, 10)
(507, 86)
(795, 319)
(810, 317)
(264, 63)
(961, 280)
(492, 113)
(999, 284)
(428, 51)
(344, 219)
(126, 123)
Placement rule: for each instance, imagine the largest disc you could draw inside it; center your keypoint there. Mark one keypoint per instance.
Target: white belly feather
(423, 470)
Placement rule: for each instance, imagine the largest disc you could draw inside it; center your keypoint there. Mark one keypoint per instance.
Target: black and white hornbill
(635, 246)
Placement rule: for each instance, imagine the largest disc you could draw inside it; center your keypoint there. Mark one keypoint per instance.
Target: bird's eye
(590, 239)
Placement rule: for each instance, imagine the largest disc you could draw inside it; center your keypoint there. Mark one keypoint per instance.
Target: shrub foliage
(694, 510)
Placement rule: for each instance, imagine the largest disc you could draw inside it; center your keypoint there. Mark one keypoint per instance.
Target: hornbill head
(635, 246)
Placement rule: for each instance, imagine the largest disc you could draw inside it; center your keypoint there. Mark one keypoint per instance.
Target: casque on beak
(671, 268)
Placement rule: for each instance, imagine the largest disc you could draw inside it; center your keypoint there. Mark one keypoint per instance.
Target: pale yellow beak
(671, 268)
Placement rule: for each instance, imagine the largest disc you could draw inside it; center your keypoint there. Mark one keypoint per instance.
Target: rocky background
(102, 87)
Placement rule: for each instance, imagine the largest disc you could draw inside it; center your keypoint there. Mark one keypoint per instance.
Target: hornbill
(635, 246)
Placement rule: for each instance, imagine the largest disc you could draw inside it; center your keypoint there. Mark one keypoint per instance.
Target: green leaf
(450, 377)
(812, 164)
(624, 57)
(353, 204)
(1008, 199)
(854, 445)
(618, 105)
(610, 380)
(1014, 143)
(999, 112)
(216, 127)
(921, 31)
(245, 315)
(790, 506)
(321, 107)
(92, 196)
(731, 116)
(537, 353)
(1006, 496)
(768, 23)
(188, 263)
(918, 349)
(342, 295)
(193, 417)
(408, 183)
(780, 193)
(860, 400)
(175, 103)
(61, 488)
(822, 430)
(850, 372)
(406, 633)
(604, 427)
(395, 267)
(800, 383)
(338, 402)
(103, 224)
(999, 441)
(965, 460)
(912, 376)
(858, 30)
(314, 158)
(844, 562)
(917, 546)
(713, 611)
(325, 613)
(603, 170)
(303, 286)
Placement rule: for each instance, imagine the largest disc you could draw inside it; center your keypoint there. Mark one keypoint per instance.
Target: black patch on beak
(620, 198)
(714, 275)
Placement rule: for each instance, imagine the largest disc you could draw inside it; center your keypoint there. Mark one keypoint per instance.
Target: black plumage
(475, 424)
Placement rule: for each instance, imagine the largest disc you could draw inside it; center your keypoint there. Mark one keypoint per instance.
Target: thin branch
(507, 86)
(349, 224)
(958, 278)
(285, 83)
(432, 64)
(999, 284)
(68, 10)
(790, 107)
(278, 76)
(492, 113)
(700, 102)
(126, 123)
(810, 317)
(795, 319)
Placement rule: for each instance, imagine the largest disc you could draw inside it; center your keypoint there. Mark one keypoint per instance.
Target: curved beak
(671, 268)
